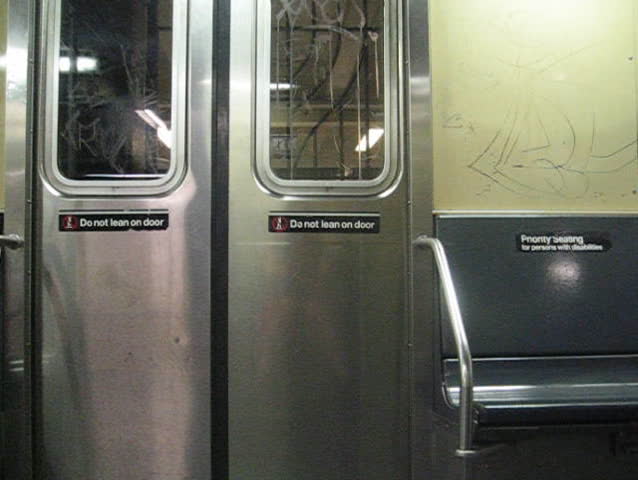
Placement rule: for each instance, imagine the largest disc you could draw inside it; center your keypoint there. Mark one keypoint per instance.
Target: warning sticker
(112, 222)
(324, 223)
(563, 242)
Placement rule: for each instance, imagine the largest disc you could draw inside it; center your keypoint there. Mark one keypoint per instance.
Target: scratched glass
(327, 89)
(114, 107)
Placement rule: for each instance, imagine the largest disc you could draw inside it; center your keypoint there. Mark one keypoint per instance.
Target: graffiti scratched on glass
(326, 89)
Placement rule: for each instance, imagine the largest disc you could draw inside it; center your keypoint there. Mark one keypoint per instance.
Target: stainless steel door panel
(126, 353)
(317, 329)
(316, 344)
(125, 319)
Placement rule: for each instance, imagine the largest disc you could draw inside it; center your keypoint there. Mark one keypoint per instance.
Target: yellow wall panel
(534, 105)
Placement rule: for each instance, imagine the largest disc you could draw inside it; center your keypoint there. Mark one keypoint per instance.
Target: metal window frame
(393, 114)
(51, 32)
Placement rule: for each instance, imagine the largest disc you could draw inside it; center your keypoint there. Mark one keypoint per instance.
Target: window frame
(392, 104)
(51, 28)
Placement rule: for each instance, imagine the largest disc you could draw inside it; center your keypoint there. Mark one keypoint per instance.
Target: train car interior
(319, 239)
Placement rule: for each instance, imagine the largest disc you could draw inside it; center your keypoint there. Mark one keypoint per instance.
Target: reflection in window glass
(327, 89)
(114, 119)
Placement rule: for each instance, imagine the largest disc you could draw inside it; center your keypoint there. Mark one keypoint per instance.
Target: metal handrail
(466, 420)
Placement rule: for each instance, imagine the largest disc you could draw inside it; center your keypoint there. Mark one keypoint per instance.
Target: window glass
(327, 89)
(114, 104)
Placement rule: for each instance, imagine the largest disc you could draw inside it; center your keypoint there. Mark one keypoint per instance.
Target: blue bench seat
(540, 391)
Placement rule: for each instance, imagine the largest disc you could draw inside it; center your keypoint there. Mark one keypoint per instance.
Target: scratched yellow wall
(535, 105)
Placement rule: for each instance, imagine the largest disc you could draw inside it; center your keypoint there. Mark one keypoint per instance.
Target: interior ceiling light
(64, 64)
(368, 141)
(281, 86)
(86, 64)
(81, 64)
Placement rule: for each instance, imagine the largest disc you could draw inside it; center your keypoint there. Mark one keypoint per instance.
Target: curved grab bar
(466, 420)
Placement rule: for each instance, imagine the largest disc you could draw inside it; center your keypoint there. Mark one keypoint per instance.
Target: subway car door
(317, 318)
(107, 348)
(523, 182)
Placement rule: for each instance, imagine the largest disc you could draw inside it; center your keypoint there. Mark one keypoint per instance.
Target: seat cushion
(550, 390)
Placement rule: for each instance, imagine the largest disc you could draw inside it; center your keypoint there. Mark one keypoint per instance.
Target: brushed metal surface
(16, 373)
(317, 371)
(126, 319)
(422, 336)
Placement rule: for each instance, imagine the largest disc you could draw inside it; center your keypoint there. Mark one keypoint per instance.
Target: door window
(326, 91)
(114, 92)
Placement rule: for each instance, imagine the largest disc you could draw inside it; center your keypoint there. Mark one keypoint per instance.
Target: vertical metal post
(16, 365)
(342, 145)
(366, 69)
(291, 149)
